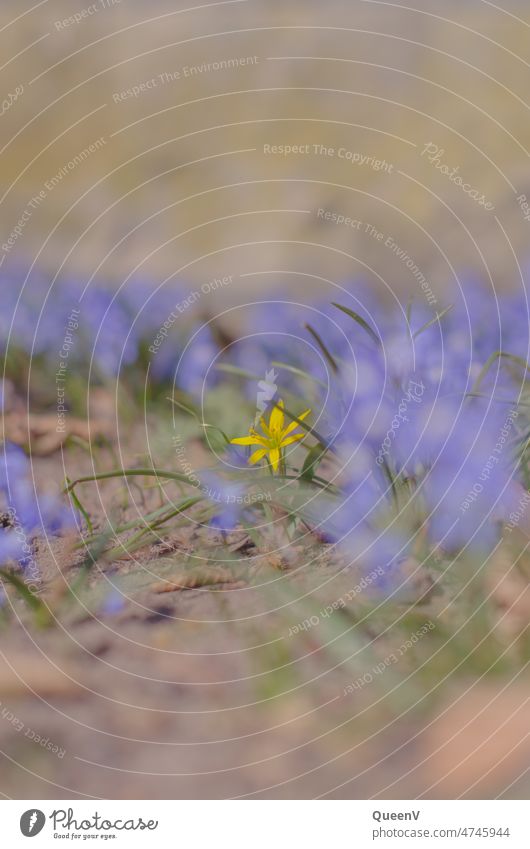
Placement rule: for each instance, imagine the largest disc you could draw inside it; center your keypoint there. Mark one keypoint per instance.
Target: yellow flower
(275, 437)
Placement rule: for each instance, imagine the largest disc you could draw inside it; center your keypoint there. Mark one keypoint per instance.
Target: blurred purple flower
(27, 513)
(113, 604)
(228, 496)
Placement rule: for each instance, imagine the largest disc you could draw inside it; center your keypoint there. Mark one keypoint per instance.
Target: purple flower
(195, 366)
(29, 513)
(12, 547)
(467, 486)
(235, 456)
(113, 603)
(230, 499)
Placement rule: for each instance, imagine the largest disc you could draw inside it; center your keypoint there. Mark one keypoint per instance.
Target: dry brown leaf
(204, 578)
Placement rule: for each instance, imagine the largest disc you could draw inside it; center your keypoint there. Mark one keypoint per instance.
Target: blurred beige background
(180, 184)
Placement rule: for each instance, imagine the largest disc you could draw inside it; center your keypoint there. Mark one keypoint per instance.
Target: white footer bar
(266, 824)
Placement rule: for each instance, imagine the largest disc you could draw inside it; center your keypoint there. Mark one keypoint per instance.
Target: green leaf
(311, 462)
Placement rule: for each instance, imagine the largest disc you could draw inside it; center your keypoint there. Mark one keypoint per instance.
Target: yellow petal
(274, 455)
(263, 424)
(276, 418)
(289, 429)
(263, 440)
(246, 440)
(290, 439)
(257, 455)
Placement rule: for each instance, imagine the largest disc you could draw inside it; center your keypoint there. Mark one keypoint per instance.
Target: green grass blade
(437, 317)
(497, 355)
(323, 442)
(79, 506)
(299, 372)
(235, 370)
(360, 321)
(128, 473)
(190, 411)
(321, 345)
(39, 608)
